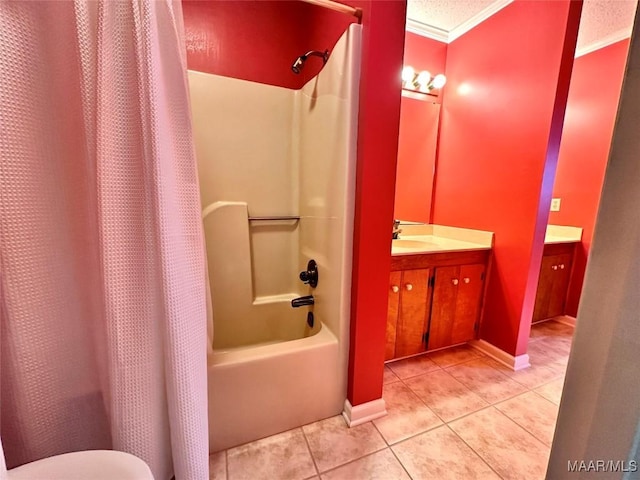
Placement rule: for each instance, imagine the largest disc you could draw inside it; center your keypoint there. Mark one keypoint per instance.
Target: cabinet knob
(408, 286)
(395, 288)
(554, 267)
(562, 266)
(454, 281)
(466, 279)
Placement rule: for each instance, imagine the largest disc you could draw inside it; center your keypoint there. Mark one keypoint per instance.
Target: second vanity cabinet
(434, 301)
(555, 273)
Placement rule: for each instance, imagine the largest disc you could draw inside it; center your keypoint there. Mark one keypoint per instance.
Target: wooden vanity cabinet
(455, 313)
(434, 301)
(408, 312)
(553, 283)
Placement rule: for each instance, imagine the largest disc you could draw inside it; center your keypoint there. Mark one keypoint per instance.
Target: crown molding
(604, 42)
(428, 31)
(442, 35)
(478, 18)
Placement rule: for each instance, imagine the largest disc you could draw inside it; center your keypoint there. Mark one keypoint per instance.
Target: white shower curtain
(102, 290)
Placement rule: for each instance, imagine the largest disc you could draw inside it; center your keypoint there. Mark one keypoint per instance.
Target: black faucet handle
(310, 276)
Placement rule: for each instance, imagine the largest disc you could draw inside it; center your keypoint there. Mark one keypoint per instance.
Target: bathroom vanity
(436, 288)
(555, 271)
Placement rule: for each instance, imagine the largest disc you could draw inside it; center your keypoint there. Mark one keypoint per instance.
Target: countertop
(562, 234)
(421, 239)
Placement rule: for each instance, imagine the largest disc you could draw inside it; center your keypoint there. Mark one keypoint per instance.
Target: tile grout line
(313, 459)
(474, 451)
(527, 431)
(400, 462)
(525, 428)
(380, 433)
(445, 422)
(332, 469)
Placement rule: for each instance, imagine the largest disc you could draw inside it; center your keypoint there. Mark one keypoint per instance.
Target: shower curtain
(102, 290)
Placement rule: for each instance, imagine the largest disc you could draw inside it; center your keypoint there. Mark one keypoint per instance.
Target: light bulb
(407, 74)
(439, 81)
(423, 79)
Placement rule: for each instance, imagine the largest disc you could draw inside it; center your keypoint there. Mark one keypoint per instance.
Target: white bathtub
(257, 391)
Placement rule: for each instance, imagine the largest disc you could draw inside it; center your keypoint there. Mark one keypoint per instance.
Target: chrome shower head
(299, 62)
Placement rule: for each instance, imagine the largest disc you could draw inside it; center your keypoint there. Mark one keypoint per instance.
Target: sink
(400, 243)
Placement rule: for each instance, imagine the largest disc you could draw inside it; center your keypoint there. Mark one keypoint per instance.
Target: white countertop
(562, 234)
(421, 239)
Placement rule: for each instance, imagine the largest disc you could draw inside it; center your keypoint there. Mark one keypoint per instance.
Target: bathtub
(257, 391)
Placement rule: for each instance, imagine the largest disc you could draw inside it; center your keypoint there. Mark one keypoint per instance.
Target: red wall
(418, 134)
(584, 150)
(378, 119)
(499, 135)
(259, 40)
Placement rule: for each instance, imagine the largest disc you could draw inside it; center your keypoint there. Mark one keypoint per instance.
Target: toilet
(89, 464)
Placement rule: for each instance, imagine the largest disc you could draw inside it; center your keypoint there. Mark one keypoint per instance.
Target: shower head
(299, 62)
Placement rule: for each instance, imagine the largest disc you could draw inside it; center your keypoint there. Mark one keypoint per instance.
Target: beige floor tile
(406, 414)
(389, 376)
(284, 456)
(510, 450)
(441, 454)
(333, 443)
(382, 465)
(218, 466)
(446, 396)
(455, 355)
(410, 367)
(548, 351)
(552, 391)
(485, 380)
(550, 328)
(530, 377)
(535, 414)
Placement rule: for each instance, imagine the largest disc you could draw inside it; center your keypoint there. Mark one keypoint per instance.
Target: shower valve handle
(310, 276)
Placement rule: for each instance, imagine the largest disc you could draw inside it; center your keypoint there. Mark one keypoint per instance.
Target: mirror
(417, 142)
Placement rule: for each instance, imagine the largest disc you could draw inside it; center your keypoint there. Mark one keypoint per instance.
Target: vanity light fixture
(421, 82)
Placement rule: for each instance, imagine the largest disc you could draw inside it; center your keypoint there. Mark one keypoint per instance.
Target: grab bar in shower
(282, 217)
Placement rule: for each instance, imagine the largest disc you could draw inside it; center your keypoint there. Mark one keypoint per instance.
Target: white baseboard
(364, 412)
(514, 363)
(566, 319)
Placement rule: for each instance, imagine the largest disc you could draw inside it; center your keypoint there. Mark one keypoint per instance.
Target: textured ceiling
(445, 14)
(604, 18)
(601, 19)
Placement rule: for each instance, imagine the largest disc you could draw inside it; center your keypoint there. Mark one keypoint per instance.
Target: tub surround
(562, 234)
(416, 239)
(268, 370)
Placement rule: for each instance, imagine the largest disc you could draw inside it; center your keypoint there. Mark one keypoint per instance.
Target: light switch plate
(555, 205)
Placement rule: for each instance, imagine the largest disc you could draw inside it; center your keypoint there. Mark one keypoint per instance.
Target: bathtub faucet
(302, 301)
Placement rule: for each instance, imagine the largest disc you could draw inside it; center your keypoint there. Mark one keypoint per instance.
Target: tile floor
(451, 414)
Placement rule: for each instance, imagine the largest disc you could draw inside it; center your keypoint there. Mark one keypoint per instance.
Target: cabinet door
(545, 287)
(392, 314)
(468, 303)
(457, 295)
(561, 276)
(414, 312)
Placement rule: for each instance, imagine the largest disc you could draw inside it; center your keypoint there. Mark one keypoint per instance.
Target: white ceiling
(603, 21)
